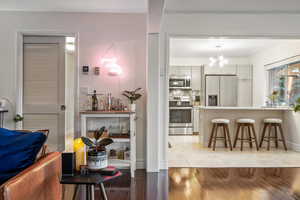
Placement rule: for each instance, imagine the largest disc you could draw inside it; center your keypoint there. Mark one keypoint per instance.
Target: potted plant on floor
(97, 155)
(132, 96)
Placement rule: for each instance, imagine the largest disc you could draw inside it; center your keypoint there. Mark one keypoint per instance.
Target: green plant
(274, 96)
(98, 144)
(297, 106)
(132, 95)
(18, 118)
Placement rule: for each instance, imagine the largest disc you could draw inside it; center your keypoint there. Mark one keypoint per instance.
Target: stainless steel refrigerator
(221, 90)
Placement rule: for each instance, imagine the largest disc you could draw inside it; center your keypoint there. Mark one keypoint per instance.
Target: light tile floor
(186, 151)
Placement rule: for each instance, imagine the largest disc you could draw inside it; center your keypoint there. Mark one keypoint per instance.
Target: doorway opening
(229, 78)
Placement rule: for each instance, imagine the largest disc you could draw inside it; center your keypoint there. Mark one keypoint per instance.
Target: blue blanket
(18, 151)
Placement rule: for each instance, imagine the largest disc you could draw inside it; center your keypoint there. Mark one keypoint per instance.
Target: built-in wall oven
(180, 118)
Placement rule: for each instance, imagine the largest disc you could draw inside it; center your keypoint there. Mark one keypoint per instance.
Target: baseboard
(293, 146)
(163, 165)
(140, 164)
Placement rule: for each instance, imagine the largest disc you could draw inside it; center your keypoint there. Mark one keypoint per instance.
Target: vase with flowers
(274, 98)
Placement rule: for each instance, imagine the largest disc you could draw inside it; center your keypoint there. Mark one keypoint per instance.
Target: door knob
(62, 107)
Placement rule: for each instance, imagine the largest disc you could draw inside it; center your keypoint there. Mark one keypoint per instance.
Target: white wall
(267, 56)
(97, 32)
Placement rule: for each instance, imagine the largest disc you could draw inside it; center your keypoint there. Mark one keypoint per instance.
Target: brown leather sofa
(40, 181)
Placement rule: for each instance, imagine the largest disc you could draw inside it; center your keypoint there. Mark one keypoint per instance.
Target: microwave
(179, 82)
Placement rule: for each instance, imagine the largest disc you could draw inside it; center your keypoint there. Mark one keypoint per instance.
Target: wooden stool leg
(269, 136)
(254, 136)
(263, 135)
(211, 135)
(215, 137)
(249, 136)
(276, 137)
(282, 137)
(236, 135)
(224, 133)
(242, 138)
(228, 136)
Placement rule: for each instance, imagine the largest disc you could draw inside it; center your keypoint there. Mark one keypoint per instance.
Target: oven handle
(180, 108)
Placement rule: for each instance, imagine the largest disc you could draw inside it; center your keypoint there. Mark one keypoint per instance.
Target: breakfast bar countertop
(244, 108)
(257, 113)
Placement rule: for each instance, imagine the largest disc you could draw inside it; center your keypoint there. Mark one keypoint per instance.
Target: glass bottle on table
(109, 101)
(94, 101)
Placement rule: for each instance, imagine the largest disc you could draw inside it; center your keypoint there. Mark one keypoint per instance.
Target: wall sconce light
(113, 68)
(105, 61)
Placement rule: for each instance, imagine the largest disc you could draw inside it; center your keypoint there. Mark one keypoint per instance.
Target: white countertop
(243, 108)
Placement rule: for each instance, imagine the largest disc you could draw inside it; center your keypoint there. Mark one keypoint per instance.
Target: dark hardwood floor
(208, 184)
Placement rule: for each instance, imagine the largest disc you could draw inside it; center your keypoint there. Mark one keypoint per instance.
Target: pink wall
(97, 31)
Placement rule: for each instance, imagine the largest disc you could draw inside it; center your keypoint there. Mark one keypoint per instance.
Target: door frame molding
(164, 67)
(19, 67)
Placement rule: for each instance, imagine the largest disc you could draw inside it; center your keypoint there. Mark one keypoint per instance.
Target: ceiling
(122, 6)
(233, 6)
(195, 47)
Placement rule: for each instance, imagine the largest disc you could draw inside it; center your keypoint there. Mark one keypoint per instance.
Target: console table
(2, 112)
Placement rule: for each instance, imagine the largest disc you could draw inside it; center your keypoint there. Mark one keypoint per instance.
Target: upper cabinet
(228, 69)
(196, 78)
(193, 72)
(244, 72)
(180, 71)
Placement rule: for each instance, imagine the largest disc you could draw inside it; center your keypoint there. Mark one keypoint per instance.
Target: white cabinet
(244, 71)
(180, 71)
(227, 69)
(244, 92)
(91, 120)
(196, 78)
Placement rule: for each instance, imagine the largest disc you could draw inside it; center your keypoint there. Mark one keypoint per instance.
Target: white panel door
(44, 87)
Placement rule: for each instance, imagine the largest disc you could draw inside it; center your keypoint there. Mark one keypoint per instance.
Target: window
(285, 80)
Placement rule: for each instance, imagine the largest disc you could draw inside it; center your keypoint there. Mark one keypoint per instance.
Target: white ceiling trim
(248, 12)
(229, 47)
(78, 10)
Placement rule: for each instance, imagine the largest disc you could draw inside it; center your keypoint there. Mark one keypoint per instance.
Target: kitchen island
(207, 113)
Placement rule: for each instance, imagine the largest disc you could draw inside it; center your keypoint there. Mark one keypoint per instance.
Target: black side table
(90, 180)
(2, 112)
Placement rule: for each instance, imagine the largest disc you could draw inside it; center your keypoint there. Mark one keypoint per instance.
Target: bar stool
(219, 123)
(269, 124)
(249, 124)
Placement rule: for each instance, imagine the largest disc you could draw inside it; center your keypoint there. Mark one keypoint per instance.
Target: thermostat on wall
(85, 69)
